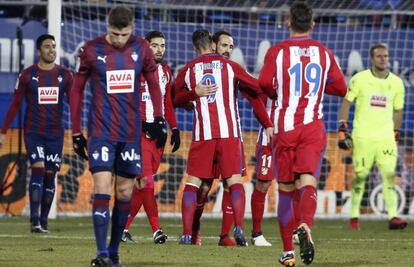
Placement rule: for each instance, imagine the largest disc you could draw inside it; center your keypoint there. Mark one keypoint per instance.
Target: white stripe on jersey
(309, 110)
(197, 125)
(327, 67)
(223, 124)
(205, 114)
(279, 73)
(289, 119)
(234, 113)
(149, 107)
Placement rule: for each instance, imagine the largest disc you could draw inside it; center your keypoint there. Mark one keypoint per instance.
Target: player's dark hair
(216, 35)
(301, 17)
(376, 46)
(120, 17)
(154, 34)
(201, 39)
(41, 38)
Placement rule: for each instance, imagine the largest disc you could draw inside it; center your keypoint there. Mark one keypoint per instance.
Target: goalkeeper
(379, 98)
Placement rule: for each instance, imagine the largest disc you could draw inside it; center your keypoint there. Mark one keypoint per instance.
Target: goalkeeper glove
(156, 130)
(79, 145)
(175, 139)
(344, 137)
(397, 135)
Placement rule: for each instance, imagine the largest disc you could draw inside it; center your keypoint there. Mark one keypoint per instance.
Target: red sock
(238, 202)
(286, 219)
(136, 203)
(151, 208)
(201, 200)
(188, 206)
(296, 207)
(257, 204)
(227, 221)
(307, 205)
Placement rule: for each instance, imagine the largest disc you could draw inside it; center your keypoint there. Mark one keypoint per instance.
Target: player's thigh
(363, 156)
(310, 149)
(264, 163)
(53, 153)
(35, 148)
(201, 159)
(229, 156)
(128, 159)
(101, 155)
(386, 156)
(284, 149)
(150, 155)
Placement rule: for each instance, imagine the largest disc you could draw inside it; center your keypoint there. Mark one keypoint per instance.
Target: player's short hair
(154, 34)
(216, 35)
(120, 17)
(43, 37)
(376, 46)
(201, 38)
(301, 17)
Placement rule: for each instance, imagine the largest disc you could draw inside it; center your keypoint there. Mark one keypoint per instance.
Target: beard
(226, 54)
(158, 59)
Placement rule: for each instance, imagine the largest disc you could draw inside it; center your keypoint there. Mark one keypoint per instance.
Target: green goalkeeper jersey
(375, 101)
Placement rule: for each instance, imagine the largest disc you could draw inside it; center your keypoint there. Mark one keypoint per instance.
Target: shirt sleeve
(400, 95)
(151, 76)
(335, 84)
(353, 89)
(169, 109)
(182, 95)
(68, 83)
(259, 109)
(268, 73)
(246, 80)
(19, 93)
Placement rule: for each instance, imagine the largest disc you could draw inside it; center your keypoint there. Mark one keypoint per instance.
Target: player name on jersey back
(48, 95)
(120, 81)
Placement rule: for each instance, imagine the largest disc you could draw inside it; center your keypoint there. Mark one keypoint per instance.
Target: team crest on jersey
(378, 101)
(120, 81)
(134, 56)
(95, 155)
(265, 170)
(48, 95)
(59, 78)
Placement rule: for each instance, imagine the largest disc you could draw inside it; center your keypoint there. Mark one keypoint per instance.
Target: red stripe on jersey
(303, 102)
(226, 97)
(212, 109)
(286, 78)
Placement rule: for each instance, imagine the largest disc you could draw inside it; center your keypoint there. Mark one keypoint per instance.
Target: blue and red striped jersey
(44, 91)
(114, 78)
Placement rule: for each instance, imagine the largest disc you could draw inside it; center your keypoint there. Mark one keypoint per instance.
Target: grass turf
(71, 243)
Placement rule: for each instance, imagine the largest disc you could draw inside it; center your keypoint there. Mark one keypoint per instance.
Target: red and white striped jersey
(300, 69)
(147, 108)
(270, 105)
(215, 116)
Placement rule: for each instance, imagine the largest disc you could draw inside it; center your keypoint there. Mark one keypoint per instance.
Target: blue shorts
(44, 148)
(121, 158)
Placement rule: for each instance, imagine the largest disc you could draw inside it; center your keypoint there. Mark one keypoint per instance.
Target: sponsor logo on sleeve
(120, 81)
(48, 95)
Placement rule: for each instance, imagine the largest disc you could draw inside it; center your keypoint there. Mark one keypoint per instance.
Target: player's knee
(263, 186)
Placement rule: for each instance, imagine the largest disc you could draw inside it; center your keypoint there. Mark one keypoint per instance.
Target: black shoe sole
(307, 250)
(161, 240)
(399, 227)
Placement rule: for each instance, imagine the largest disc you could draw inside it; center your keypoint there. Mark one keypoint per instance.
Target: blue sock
(35, 193)
(100, 218)
(47, 197)
(119, 218)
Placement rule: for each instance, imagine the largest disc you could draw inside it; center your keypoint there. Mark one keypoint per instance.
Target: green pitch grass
(71, 243)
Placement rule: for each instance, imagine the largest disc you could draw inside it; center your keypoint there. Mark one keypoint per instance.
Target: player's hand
(205, 89)
(2, 138)
(175, 140)
(344, 137)
(396, 135)
(159, 131)
(79, 145)
(269, 134)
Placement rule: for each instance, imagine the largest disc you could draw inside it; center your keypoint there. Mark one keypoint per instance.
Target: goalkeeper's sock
(100, 218)
(136, 203)
(388, 190)
(35, 193)
(120, 213)
(228, 216)
(188, 206)
(307, 205)
(357, 191)
(201, 200)
(238, 202)
(296, 206)
(47, 197)
(257, 203)
(151, 208)
(286, 219)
